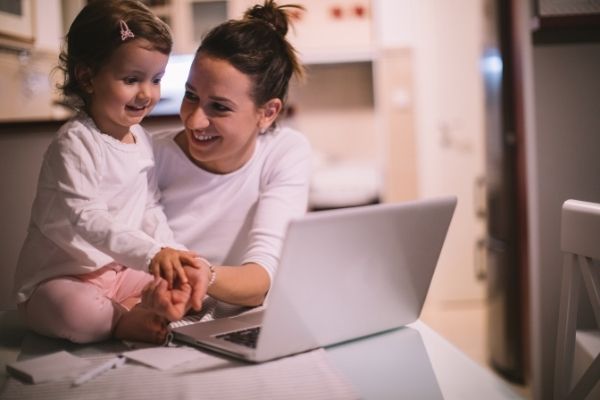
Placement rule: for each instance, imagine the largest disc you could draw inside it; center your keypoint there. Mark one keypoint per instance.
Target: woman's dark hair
(256, 46)
(96, 33)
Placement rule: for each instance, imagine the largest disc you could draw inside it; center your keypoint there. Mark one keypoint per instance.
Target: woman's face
(220, 118)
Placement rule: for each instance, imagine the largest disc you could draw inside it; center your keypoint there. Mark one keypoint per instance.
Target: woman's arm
(285, 176)
(245, 285)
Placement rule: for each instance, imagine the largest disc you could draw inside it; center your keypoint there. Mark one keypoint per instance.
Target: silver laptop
(343, 274)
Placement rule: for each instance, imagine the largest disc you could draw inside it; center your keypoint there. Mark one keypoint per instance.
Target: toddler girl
(96, 227)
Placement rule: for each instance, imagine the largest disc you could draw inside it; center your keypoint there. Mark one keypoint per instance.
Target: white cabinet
(326, 31)
(190, 20)
(28, 86)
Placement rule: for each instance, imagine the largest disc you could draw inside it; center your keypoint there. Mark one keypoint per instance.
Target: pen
(100, 369)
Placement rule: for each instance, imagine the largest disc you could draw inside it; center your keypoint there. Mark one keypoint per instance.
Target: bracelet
(213, 275)
(211, 268)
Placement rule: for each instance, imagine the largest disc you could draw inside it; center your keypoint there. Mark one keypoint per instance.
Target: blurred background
(493, 101)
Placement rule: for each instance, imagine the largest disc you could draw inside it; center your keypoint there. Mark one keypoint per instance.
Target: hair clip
(125, 31)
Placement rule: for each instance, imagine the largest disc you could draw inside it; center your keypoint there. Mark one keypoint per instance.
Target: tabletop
(412, 362)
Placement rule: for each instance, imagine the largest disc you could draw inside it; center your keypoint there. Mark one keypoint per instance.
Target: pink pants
(83, 308)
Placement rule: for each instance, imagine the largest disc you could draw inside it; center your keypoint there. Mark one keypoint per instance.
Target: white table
(413, 363)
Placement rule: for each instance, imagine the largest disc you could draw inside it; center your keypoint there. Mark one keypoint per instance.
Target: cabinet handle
(480, 265)
(479, 197)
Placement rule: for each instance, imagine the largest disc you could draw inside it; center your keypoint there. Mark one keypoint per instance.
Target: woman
(232, 179)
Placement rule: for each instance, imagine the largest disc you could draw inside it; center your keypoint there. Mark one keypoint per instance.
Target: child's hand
(171, 304)
(169, 262)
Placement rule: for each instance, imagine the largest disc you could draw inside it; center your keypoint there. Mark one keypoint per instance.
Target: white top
(242, 216)
(94, 205)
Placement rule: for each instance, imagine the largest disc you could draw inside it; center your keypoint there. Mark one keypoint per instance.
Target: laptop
(343, 274)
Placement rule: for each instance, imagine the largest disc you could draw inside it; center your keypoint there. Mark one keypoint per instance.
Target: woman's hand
(171, 304)
(169, 264)
(199, 279)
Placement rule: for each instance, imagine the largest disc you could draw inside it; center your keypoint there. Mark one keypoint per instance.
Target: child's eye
(130, 80)
(190, 96)
(156, 81)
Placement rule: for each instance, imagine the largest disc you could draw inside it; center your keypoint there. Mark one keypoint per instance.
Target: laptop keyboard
(246, 337)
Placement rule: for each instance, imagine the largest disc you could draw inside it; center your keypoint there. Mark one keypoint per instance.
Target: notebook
(343, 274)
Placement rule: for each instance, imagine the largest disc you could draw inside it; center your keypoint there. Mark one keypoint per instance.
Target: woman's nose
(197, 119)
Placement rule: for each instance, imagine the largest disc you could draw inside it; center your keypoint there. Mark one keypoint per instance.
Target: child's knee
(85, 323)
(73, 316)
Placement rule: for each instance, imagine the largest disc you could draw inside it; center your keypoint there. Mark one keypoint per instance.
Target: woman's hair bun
(272, 14)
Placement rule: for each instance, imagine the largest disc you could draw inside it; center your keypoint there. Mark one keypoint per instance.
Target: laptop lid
(344, 274)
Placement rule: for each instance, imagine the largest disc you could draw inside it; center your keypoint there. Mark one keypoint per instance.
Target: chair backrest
(580, 228)
(580, 242)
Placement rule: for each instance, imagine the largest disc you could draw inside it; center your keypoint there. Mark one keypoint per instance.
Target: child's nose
(145, 93)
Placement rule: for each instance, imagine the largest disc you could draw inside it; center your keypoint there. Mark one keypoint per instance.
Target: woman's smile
(204, 137)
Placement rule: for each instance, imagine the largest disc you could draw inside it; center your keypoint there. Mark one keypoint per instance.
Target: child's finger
(180, 272)
(191, 259)
(154, 269)
(167, 272)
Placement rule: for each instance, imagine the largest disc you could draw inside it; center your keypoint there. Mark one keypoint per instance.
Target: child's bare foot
(142, 325)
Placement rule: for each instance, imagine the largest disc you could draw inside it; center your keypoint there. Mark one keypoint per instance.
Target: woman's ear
(270, 110)
(83, 75)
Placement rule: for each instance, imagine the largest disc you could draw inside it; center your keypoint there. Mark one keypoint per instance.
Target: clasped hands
(186, 291)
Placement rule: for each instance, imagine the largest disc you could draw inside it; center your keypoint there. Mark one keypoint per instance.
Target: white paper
(51, 367)
(163, 358)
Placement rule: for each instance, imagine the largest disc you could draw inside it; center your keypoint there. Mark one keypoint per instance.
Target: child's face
(126, 89)
(220, 118)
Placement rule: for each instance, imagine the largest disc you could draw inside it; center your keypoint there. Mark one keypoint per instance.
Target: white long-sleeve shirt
(96, 203)
(240, 217)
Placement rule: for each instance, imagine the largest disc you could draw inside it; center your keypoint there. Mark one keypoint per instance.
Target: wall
(450, 133)
(21, 154)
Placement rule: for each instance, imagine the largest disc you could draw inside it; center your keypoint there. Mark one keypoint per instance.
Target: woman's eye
(190, 96)
(220, 107)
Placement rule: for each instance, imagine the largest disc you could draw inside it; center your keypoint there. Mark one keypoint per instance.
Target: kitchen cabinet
(325, 31)
(28, 86)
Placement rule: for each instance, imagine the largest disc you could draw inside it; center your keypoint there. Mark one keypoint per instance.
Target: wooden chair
(580, 243)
